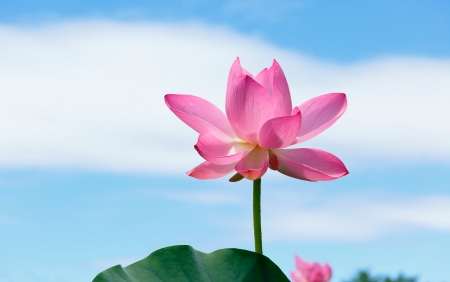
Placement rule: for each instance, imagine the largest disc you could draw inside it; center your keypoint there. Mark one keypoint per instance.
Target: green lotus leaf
(184, 264)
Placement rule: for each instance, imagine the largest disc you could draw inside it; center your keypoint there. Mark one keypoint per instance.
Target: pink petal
(315, 274)
(248, 107)
(198, 113)
(207, 170)
(274, 81)
(235, 71)
(263, 79)
(274, 163)
(218, 148)
(279, 90)
(302, 265)
(254, 165)
(326, 270)
(319, 113)
(279, 132)
(310, 164)
(297, 276)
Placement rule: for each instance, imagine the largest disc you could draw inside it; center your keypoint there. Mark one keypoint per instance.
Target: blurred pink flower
(310, 272)
(260, 122)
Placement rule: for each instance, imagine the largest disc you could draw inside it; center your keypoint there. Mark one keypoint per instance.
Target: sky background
(92, 163)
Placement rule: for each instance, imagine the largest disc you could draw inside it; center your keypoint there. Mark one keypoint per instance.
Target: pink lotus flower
(310, 272)
(260, 122)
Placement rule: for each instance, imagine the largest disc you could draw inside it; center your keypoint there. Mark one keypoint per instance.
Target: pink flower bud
(310, 272)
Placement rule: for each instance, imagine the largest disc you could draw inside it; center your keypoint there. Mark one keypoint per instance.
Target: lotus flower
(310, 272)
(259, 123)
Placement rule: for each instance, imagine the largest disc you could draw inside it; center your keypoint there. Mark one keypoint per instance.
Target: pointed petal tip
(319, 113)
(341, 95)
(276, 65)
(280, 132)
(337, 95)
(236, 62)
(344, 170)
(166, 99)
(207, 170)
(310, 164)
(300, 264)
(345, 173)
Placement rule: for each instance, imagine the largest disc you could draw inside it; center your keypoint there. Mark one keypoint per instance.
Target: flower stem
(257, 215)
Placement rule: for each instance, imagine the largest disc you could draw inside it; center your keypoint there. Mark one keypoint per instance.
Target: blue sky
(92, 163)
(343, 31)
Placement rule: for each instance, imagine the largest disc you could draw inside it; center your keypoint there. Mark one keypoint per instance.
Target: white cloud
(312, 214)
(89, 94)
(354, 217)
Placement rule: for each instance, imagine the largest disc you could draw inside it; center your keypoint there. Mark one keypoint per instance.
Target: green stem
(257, 215)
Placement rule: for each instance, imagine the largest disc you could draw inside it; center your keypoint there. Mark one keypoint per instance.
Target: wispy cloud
(89, 94)
(311, 214)
(355, 217)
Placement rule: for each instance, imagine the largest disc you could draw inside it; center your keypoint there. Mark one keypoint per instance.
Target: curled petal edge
(218, 148)
(319, 113)
(254, 165)
(207, 170)
(309, 164)
(222, 160)
(280, 132)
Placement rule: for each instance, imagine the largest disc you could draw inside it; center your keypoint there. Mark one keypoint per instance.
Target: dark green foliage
(184, 264)
(364, 276)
